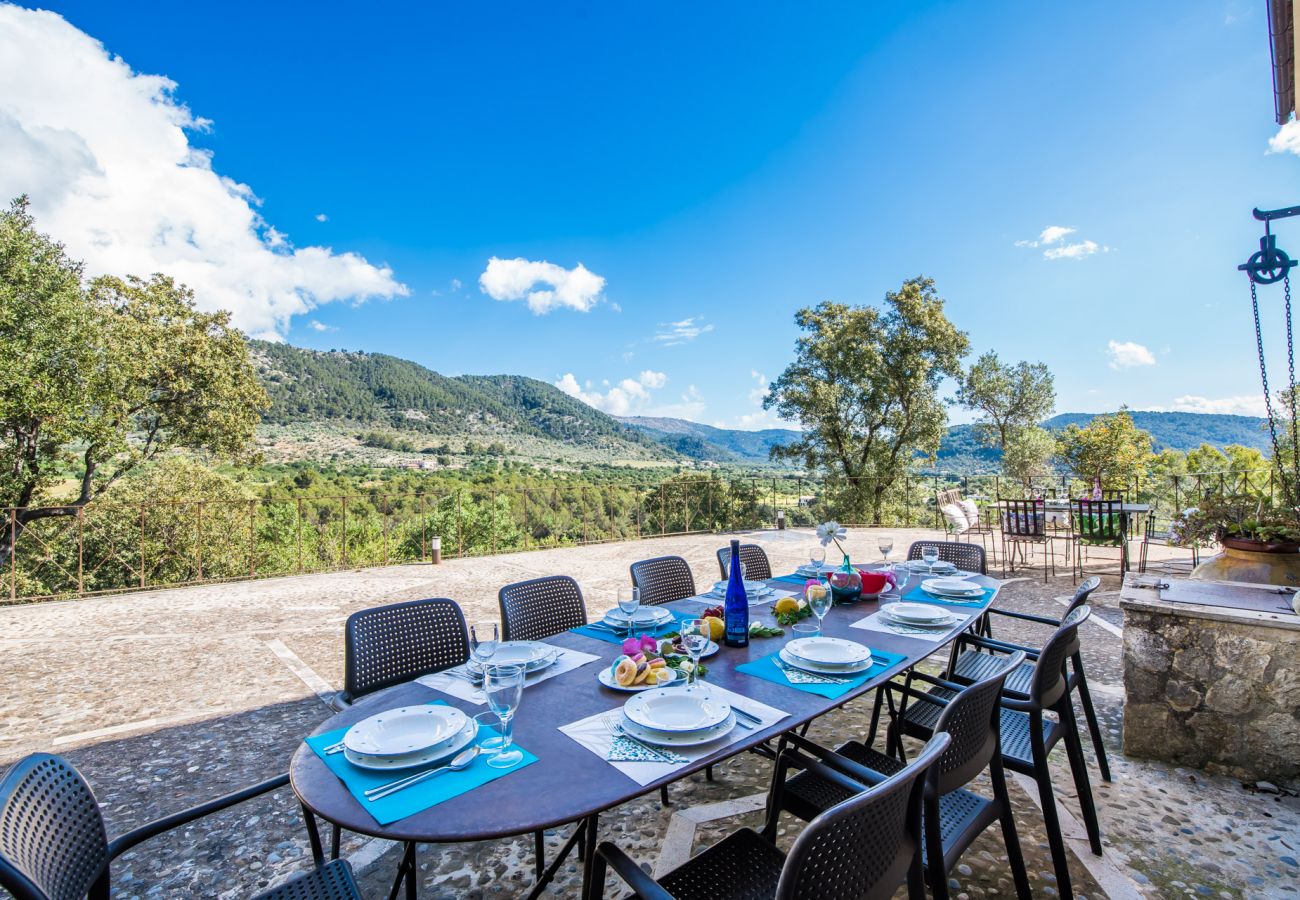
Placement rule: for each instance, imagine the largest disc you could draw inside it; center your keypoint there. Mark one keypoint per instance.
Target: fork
(617, 730)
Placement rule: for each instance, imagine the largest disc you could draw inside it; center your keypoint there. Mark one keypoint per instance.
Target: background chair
(752, 556)
(538, 608)
(1151, 535)
(663, 580)
(953, 815)
(388, 645)
(1099, 523)
(53, 844)
(863, 847)
(966, 557)
(1024, 523)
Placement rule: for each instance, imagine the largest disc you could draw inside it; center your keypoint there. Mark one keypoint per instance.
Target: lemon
(786, 605)
(716, 628)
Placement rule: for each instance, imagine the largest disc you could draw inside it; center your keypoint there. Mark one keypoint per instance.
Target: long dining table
(568, 783)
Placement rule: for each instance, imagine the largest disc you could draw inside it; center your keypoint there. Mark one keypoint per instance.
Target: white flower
(831, 531)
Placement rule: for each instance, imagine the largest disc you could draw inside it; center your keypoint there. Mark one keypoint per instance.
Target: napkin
(624, 749)
(452, 681)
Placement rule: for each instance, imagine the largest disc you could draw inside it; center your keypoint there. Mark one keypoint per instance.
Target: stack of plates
(532, 655)
(812, 571)
(754, 590)
(827, 656)
(408, 736)
(918, 615)
(939, 568)
(956, 588)
(676, 718)
(646, 618)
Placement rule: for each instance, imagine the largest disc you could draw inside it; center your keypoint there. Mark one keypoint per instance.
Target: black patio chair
(541, 607)
(752, 557)
(663, 580)
(973, 666)
(863, 847)
(1099, 523)
(967, 557)
(388, 645)
(1024, 524)
(953, 815)
(54, 846)
(1027, 735)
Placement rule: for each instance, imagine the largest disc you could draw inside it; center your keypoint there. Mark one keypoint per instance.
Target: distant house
(1281, 27)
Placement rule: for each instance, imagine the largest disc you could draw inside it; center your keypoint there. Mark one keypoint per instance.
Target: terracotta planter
(1257, 562)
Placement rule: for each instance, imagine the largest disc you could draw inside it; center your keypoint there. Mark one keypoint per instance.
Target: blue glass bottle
(735, 610)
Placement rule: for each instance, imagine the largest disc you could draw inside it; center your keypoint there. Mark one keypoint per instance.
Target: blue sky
(721, 166)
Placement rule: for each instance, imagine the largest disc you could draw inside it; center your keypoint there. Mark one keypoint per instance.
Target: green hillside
(706, 442)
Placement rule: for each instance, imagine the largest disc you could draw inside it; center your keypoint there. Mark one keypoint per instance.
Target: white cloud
(1128, 355)
(104, 154)
(455, 284)
(1051, 237)
(1287, 139)
(518, 279)
(690, 405)
(627, 397)
(1247, 405)
(670, 334)
(321, 217)
(317, 325)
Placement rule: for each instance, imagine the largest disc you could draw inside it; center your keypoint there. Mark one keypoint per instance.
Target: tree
(1007, 397)
(1027, 453)
(113, 373)
(1110, 450)
(865, 387)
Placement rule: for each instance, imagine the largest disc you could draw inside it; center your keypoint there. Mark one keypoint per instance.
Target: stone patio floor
(169, 697)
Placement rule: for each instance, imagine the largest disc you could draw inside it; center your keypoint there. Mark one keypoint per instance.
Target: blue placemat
(793, 579)
(919, 595)
(765, 668)
(418, 797)
(611, 637)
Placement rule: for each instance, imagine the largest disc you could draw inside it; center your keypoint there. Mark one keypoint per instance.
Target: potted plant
(1260, 540)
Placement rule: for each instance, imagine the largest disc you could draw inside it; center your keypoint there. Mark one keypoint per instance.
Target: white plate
(444, 751)
(532, 655)
(645, 616)
(829, 651)
(680, 739)
(952, 587)
(944, 622)
(407, 729)
(752, 588)
(917, 613)
(810, 569)
(798, 663)
(606, 677)
(939, 568)
(676, 711)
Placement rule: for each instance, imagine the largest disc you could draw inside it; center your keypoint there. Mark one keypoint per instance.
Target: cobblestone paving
(167, 698)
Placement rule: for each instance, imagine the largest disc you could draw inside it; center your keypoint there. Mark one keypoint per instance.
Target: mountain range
(418, 410)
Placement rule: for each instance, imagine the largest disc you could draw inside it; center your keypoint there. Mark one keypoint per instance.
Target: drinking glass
(819, 601)
(629, 601)
(930, 555)
(504, 688)
(817, 556)
(695, 637)
(483, 640)
(886, 546)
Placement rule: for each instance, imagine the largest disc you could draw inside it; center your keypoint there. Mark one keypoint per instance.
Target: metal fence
(106, 547)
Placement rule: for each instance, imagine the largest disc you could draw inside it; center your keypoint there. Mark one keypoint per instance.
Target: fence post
(774, 515)
(345, 532)
(13, 554)
(663, 515)
(384, 526)
(141, 545)
(299, 535)
(460, 528)
(907, 499)
(492, 517)
(525, 518)
(198, 536)
(81, 543)
(423, 530)
(252, 538)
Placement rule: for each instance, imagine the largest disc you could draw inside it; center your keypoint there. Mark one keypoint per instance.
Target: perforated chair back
(862, 848)
(1023, 520)
(973, 719)
(663, 580)
(388, 645)
(1082, 592)
(538, 608)
(1048, 683)
(53, 845)
(752, 557)
(968, 557)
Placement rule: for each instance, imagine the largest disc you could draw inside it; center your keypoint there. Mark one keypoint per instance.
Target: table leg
(579, 833)
(313, 836)
(406, 871)
(589, 890)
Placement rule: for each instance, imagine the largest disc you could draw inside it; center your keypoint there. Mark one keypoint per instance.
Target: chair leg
(1090, 714)
(708, 773)
(1052, 824)
(933, 838)
(539, 853)
(916, 877)
(1079, 769)
(334, 841)
(663, 795)
(875, 716)
(1015, 859)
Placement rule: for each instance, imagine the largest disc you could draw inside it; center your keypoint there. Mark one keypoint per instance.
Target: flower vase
(846, 583)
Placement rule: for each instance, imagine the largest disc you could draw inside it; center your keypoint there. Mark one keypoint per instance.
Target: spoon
(460, 761)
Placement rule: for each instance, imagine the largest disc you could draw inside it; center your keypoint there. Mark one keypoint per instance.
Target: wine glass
(817, 557)
(695, 637)
(819, 601)
(483, 640)
(886, 546)
(629, 601)
(504, 688)
(930, 555)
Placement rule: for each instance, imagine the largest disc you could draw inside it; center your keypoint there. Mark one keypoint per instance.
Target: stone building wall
(1211, 691)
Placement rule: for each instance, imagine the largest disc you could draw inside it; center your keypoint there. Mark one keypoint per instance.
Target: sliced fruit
(717, 628)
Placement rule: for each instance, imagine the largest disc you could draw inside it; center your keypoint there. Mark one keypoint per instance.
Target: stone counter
(1211, 687)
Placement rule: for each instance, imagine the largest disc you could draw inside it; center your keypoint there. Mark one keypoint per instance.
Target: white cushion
(972, 512)
(955, 516)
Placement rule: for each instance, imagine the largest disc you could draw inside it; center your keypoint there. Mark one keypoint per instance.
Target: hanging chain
(1287, 486)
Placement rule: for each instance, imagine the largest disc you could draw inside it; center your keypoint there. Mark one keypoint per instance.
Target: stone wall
(1212, 691)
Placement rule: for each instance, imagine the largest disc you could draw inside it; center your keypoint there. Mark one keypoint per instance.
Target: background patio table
(569, 784)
